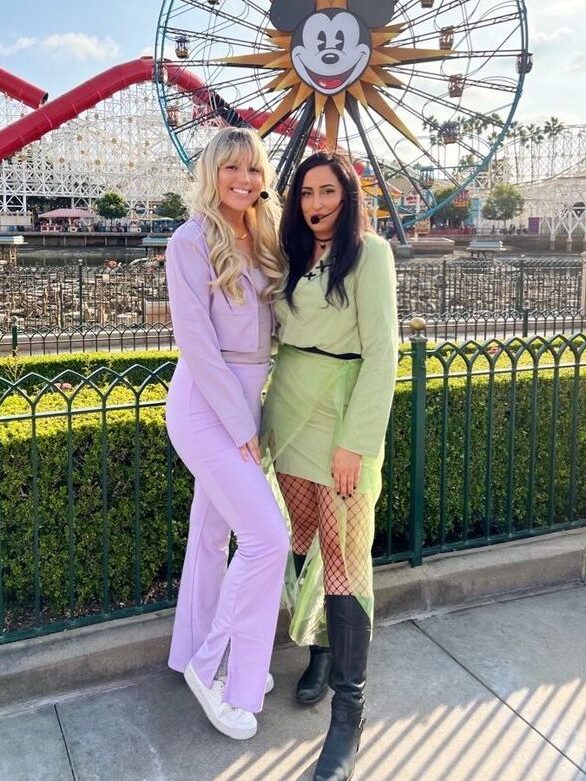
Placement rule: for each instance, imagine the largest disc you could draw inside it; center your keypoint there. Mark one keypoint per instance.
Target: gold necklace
(240, 238)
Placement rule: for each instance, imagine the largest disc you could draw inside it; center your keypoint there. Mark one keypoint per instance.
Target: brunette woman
(324, 421)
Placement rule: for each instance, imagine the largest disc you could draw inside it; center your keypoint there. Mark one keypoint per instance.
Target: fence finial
(417, 324)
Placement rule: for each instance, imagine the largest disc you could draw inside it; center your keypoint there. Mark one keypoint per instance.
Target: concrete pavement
(490, 693)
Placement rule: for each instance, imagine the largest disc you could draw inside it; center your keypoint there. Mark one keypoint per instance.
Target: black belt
(342, 356)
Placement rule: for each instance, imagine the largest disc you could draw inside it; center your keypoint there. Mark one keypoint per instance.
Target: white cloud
(17, 46)
(79, 46)
(555, 36)
(148, 51)
(577, 65)
(559, 9)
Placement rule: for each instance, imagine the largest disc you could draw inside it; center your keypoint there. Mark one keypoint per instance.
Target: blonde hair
(262, 218)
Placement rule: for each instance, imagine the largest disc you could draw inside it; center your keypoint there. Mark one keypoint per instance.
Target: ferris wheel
(398, 86)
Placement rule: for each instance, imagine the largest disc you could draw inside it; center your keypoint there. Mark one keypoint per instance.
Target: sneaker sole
(198, 692)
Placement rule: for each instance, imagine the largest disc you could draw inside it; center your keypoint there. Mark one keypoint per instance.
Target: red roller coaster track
(21, 90)
(83, 97)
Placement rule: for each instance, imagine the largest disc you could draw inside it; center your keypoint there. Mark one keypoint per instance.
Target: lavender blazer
(205, 322)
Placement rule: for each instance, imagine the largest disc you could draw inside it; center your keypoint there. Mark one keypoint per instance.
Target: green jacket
(367, 326)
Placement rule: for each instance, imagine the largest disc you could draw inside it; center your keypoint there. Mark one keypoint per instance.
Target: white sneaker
(270, 685)
(234, 722)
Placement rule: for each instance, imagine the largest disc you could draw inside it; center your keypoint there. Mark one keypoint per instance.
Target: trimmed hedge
(130, 438)
(67, 366)
(89, 523)
(533, 490)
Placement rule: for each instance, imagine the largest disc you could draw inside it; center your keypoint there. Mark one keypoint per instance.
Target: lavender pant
(237, 607)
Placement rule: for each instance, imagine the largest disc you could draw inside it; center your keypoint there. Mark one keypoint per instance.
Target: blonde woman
(223, 266)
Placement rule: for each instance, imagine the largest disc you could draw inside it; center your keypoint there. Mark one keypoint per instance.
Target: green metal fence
(487, 443)
(460, 325)
(496, 435)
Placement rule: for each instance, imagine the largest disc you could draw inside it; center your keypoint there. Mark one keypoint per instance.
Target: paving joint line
(69, 759)
(479, 680)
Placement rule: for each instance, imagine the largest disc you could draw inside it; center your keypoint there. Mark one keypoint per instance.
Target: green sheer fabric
(303, 417)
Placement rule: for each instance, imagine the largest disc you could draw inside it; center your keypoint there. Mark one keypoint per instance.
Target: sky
(58, 44)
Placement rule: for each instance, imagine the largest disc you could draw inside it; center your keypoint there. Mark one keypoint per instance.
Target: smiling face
(331, 50)
(321, 194)
(239, 183)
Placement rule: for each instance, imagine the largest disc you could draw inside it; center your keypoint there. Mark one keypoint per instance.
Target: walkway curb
(47, 666)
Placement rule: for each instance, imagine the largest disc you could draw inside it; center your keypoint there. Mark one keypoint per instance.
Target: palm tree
(518, 134)
(536, 137)
(552, 129)
(430, 123)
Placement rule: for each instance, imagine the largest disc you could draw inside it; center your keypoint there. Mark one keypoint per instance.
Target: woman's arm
(367, 416)
(188, 281)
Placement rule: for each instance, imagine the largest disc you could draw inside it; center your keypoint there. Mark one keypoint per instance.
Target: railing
(487, 443)
(503, 283)
(483, 325)
(93, 502)
(64, 297)
(88, 338)
(460, 326)
(67, 296)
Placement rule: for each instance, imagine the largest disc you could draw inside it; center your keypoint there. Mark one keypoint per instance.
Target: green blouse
(367, 326)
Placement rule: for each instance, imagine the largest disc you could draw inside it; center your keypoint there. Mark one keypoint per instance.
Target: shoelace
(221, 685)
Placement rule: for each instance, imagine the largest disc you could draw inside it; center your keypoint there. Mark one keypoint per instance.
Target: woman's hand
(251, 450)
(346, 467)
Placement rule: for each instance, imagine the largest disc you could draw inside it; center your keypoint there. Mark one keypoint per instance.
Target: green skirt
(303, 413)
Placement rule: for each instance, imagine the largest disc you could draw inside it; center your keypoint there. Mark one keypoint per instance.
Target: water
(95, 256)
(91, 256)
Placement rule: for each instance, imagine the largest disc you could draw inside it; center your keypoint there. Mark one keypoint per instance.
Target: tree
(38, 204)
(536, 137)
(454, 215)
(552, 128)
(112, 206)
(172, 206)
(504, 203)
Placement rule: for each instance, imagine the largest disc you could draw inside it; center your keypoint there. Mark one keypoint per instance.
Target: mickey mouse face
(331, 49)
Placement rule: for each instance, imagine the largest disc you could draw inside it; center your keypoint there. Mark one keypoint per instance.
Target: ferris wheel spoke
(500, 86)
(440, 101)
(432, 14)
(402, 168)
(221, 13)
(173, 34)
(252, 80)
(484, 54)
(465, 29)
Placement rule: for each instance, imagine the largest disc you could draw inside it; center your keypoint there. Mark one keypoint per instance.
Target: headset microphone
(315, 218)
(264, 194)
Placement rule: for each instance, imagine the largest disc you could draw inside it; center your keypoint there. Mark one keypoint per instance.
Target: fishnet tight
(313, 507)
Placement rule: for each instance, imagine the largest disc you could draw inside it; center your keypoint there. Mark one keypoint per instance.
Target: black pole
(352, 105)
(296, 146)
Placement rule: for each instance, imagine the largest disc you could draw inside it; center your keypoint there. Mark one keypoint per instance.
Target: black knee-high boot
(313, 684)
(349, 633)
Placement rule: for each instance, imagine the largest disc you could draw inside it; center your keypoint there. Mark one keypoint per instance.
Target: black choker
(323, 242)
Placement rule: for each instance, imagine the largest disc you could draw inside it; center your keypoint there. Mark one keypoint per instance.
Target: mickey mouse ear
(376, 13)
(287, 14)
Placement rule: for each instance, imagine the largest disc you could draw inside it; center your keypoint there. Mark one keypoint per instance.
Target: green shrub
(112, 508)
(525, 466)
(70, 367)
(103, 482)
